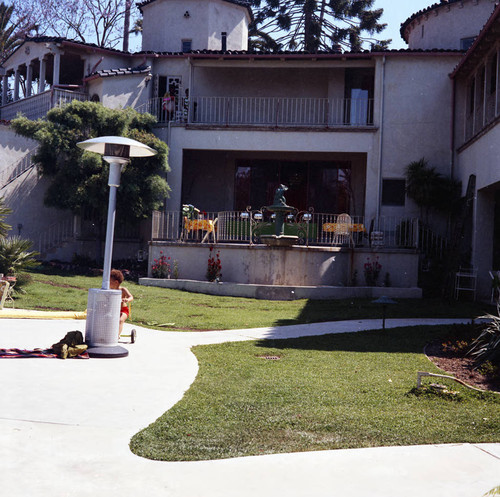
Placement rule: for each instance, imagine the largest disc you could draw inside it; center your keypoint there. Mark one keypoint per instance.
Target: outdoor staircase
(17, 168)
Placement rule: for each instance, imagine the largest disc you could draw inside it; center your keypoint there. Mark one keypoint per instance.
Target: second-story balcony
(37, 106)
(264, 111)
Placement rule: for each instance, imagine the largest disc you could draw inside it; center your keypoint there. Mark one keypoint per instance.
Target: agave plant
(486, 347)
(15, 255)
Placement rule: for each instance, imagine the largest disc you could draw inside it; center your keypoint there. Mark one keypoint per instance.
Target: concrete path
(65, 428)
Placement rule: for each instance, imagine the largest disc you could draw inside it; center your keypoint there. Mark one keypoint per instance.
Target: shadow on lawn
(338, 310)
(397, 340)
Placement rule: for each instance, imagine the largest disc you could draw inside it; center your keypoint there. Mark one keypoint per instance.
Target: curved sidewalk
(65, 428)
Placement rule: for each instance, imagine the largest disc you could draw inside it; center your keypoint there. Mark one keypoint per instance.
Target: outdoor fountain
(280, 209)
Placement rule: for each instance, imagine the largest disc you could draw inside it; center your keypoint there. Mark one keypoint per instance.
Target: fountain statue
(280, 209)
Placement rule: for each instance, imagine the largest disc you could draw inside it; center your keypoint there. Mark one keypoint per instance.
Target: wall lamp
(187, 14)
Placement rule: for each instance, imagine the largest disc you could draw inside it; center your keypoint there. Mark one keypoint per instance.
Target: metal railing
(313, 229)
(37, 106)
(264, 111)
(17, 168)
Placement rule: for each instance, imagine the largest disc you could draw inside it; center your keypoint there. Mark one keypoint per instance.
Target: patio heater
(104, 304)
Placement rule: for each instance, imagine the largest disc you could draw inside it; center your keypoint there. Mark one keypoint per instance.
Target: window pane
(393, 192)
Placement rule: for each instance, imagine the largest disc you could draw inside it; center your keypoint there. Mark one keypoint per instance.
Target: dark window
(324, 185)
(482, 79)
(186, 45)
(465, 43)
(493, 74)
(472, 95)
(393, 192)
(359, 90)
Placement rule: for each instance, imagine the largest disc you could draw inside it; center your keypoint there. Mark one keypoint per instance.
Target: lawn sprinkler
(385, 301)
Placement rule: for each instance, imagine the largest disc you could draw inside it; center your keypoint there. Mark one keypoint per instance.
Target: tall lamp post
(103, 305)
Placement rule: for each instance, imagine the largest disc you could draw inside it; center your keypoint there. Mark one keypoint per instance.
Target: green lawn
(329, 392)
(336, 391)
(175, 310)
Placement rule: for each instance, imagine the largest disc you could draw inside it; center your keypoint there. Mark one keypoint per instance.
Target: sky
(395, 13)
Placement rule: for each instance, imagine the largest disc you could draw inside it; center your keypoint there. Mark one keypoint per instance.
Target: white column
(5, 89)
(29, 79)
(41, 80)
(57, 69)
(17, 75)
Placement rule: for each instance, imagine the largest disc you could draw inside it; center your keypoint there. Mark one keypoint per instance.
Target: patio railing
(313, 229)
(38, 105)
(264, 111)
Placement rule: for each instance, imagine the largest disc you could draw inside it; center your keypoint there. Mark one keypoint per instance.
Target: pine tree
(319, 25)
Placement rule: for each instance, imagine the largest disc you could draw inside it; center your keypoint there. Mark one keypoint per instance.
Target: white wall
(482, 159)
(416, 117)
(12, 149)
(271, 81)
(446, 24)
(165, 26)
(122, 91)
(260, 265)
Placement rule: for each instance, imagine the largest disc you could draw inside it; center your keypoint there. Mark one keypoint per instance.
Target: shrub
(214, 267)
(161, 267)
(15, 255)
(486, 347)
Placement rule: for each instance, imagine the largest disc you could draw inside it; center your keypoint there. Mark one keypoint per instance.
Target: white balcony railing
(38, 105)
(264, 111)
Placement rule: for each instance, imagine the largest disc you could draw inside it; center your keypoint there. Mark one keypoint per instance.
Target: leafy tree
(79, 180)
(314, 25)
(103, 22)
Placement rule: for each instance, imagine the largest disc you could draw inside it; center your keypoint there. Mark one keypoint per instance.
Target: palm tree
(15, 255)
(8, 39)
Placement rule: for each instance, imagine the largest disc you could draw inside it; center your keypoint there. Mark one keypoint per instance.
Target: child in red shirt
(115, 280)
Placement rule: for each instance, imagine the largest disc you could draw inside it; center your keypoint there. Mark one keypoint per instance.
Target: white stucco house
(337, 128)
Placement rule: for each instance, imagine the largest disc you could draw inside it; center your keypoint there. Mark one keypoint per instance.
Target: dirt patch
(61, 285)
(460, 367)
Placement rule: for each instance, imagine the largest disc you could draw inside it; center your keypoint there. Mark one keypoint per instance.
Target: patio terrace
(321, 265)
